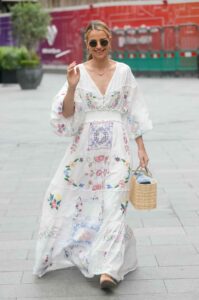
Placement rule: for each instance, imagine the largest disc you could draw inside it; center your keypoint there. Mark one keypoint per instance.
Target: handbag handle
(144, 170)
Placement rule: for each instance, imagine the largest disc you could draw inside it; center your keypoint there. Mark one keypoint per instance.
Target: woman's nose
(98, 44)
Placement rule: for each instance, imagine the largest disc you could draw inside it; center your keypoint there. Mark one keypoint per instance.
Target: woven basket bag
(143, 196)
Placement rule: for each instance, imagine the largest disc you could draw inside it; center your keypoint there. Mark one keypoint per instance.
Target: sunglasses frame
(102, 41)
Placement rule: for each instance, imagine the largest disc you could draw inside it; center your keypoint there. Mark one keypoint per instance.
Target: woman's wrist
(68, 102)
(71, 89)
(140, 143)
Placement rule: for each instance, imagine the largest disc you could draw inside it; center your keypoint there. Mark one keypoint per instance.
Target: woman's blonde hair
(96, 25)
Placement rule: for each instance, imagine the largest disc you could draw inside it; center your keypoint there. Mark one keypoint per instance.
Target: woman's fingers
(143, 157)
(73, 74)
(144, 161)
(77, 70)
(71, 66)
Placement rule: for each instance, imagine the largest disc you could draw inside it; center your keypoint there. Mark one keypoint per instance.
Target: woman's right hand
(73, 75)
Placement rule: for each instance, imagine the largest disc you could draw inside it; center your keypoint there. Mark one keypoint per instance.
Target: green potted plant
(29, 25)
(1, 53)
(10, 58)
(29, 73)
(8, 64)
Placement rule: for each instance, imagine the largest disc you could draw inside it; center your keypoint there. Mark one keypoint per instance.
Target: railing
(61, 3)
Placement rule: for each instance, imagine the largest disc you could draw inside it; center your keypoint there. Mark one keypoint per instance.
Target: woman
(83, 220)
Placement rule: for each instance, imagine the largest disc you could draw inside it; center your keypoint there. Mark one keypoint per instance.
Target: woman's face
(98, 44)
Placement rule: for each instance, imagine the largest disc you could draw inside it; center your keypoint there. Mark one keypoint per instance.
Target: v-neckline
(95, 85)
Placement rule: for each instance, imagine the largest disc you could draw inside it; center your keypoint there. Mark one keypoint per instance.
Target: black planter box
(9, 76)
(29, 78)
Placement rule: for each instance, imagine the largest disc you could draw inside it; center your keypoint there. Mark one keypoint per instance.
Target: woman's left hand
(143, 157)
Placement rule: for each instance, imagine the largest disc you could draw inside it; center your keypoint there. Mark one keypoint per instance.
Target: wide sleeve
(138, 121)
(66, 126)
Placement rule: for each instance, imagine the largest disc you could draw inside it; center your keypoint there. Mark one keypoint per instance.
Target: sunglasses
(103, 43)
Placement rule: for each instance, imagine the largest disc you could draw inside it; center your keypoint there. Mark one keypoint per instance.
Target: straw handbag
(143, 196)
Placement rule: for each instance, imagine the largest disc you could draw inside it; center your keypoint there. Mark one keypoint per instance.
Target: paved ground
(167, 238)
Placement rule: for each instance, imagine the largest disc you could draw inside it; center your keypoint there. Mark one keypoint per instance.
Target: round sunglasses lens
(104, 43)
(93, 43)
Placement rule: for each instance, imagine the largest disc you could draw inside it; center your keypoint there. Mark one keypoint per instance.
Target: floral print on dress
(91, 100)
(76, 140)
(78, 208)
(122, 182)
(126, 141)
(85, 232)
(59, 107)
(54, 200)
(115, 101)
(100, 135)
(48, 233)
(118, 234)
(90, 175)
(47, 261)
(84, 228)
(95, 178)
(68, 169)
(113, 234)
(61, 128)
(124, 207)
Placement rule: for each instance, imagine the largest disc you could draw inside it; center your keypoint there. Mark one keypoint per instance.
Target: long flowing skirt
(83, 221)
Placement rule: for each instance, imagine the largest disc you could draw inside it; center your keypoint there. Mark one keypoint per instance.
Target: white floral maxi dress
(83, 220)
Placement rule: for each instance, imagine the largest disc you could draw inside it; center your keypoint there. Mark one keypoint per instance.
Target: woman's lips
(99, 52)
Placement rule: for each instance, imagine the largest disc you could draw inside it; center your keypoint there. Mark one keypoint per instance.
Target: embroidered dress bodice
(123, 95)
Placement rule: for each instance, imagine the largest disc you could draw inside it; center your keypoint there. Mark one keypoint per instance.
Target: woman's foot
(106, 281)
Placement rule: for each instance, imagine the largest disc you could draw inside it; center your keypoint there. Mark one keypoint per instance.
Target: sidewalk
(167, 237)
